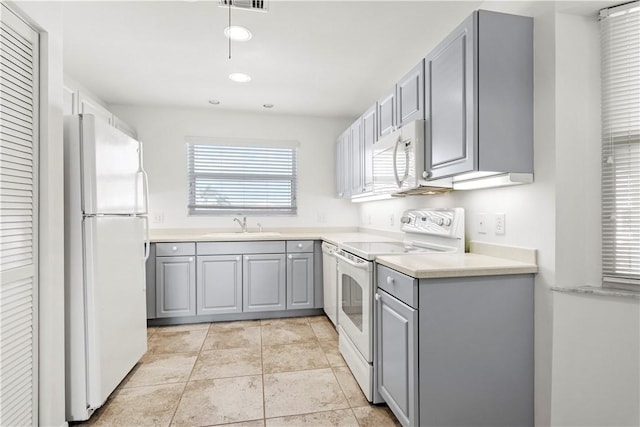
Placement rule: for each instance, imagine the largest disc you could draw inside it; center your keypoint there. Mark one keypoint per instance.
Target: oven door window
(352, 300)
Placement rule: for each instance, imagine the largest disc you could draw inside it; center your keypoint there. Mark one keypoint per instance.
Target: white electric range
(426, 230)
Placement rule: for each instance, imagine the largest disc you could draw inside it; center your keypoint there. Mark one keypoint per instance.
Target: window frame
(240, 178)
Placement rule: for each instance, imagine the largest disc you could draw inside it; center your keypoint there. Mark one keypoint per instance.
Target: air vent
(261, 5)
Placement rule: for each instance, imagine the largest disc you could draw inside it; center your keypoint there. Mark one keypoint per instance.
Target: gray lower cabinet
(263, 282)
(175, 286)
(300, 289)
(397, 361)
(456, 351)
(219, 284)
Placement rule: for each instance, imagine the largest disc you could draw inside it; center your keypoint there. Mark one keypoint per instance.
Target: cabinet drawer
(175, 249)
(300, 246)
(225, 248)
(401, 286)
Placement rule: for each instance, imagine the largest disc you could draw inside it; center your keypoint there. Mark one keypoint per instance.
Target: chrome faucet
(243, 223)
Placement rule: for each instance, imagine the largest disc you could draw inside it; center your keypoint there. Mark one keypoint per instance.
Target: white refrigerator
(106, 245)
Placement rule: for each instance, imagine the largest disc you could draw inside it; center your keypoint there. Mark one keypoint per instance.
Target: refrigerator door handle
(147, 242)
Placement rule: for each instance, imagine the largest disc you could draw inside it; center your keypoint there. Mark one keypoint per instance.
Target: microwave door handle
(399, 181)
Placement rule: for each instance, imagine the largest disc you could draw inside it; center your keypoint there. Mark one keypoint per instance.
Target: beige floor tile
(161, 368)
(177, 341)
(318, 319)
(142, 406)
(293, 357)
(233, 325)
(231, 362)
(256, 423)
(150, 331)
(285, 321)
(218, 339)
(340, 418)
(324, 330)
(332, 352)
(220, 401)
(302, 392)
(185, 327)
(350, 387)
(287, 333)
(375, 416)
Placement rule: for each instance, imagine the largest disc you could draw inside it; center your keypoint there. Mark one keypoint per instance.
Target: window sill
(599, 291)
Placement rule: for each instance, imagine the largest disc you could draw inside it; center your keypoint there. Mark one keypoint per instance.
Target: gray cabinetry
(369, 138)
(175, 286)
(472, 361)
(300, 274)
(397, 338)
(410, 96)
(386, 112)
(263, 282)
(356, 152)
(150, 270)
(219, 284)
(479, 97)
(343, 165)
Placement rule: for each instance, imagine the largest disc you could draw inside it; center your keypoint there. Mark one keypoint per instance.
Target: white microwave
(398, 163)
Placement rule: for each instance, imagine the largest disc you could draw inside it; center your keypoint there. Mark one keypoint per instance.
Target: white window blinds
(620, 56)
(18, 221)
(237, 179)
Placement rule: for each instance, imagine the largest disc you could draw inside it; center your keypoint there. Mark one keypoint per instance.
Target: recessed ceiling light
(267, 105)
(240, 77)
(214, 102)
(237, 33)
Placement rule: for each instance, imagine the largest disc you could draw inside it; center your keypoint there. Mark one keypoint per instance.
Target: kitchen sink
(241, 235)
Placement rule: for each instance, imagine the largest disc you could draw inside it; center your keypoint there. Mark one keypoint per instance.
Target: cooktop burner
(369, 250)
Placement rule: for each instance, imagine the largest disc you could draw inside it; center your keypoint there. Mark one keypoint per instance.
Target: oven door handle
(364, 265)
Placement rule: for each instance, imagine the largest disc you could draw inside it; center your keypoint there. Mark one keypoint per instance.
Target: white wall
(47, 17)
(163, 131)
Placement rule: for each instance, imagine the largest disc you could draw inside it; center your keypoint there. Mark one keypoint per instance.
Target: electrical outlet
(392, 220)
(322, 217)
(481, 223)
(158, 218)
(499, 224)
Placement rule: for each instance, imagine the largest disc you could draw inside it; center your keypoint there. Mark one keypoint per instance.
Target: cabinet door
(219, 284)
(339, 164)
(150, 272)
(89, 106)
(175, 286)
(263, 282)
(356, 151)
(450, 104)
(300, 289)
(343, 165)
(386, 109)
(410, 96)
(398, 357)
(369, 137)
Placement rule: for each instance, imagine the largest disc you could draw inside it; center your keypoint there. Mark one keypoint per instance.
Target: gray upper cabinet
(479, 97)
(264, 282)
(219, 284)
(369, 138)
(356, 152)
(410, 96)
(397, 361)
(300, 289)
(386, 112)
(175, 286)
(343, 165)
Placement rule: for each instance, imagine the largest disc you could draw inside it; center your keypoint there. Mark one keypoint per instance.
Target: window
(232, 179)
(620, 56)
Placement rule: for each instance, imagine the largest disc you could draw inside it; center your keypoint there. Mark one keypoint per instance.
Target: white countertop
(484, 259)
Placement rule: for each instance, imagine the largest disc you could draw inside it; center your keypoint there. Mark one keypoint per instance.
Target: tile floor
(267, 373)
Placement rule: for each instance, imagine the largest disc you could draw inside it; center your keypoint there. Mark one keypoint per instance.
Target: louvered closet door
(18, 220)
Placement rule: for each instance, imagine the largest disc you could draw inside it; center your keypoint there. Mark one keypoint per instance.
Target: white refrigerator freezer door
(112, 175)
(116, 328)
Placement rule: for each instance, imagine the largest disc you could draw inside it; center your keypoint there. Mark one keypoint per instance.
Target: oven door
(355, 303)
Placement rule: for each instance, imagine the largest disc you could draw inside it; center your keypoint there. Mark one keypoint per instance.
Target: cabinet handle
(377, 297)
(290, 256)
(237, 258)
(191, 259)
(299, 245)
(174, 248)
(426, 174)
(390, 280)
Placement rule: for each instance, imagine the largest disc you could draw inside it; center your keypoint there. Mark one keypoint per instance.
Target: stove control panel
(448, 222)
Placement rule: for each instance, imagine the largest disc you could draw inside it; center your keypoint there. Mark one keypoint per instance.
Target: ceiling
(319, 58)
